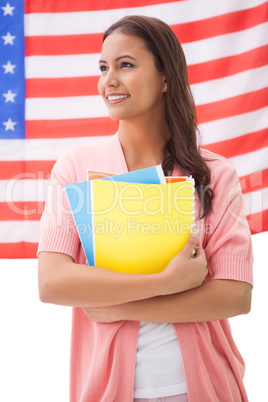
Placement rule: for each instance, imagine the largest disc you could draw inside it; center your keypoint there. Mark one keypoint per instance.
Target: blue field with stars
(12, 73)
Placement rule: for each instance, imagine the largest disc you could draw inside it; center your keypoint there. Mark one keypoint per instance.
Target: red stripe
(21, 211)
(186, 32)
(240, 145)
(63, 45)
(18, 250)
(212, 70)
(84, 86)
(70, 128)
(258, 222)
(20, 170)
(60, 87)
(254, 181)
(232, 106)
(59, 6)
(221, 25)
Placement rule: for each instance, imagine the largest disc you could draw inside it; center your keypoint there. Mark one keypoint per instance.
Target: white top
(159, 368)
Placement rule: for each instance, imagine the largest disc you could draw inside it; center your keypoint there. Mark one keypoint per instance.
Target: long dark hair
(180, 113)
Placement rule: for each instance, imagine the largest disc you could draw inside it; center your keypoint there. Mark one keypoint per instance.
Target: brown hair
(180, 114)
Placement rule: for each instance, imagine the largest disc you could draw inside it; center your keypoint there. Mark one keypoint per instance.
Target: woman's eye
(126, 64)
(103, 68)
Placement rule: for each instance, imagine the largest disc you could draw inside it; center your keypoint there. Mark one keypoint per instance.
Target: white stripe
(41, 149)
(251, 162)
(78, 107)
(17, 231)
(230, 86)
(23, 190)
(73, 107)
(83, 65)
(98, 21)
(232, 127)
(79, 65)
(255, 202)
(226, 45)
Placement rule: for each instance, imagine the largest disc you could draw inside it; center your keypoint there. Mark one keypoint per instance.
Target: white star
(9, 96)
(9, 125)
(8, 10)
(9, 68)
(8, 39)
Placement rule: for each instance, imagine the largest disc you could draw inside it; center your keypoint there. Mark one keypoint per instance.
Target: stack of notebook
(133, 222)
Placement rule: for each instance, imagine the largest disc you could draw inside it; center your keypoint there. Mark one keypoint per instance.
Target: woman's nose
(111, 79)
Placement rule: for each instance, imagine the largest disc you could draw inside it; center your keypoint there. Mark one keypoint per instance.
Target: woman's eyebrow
(119, 58)
(124, 57)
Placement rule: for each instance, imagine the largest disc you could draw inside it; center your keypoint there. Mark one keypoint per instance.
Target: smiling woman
(130, 83)
(163, 335)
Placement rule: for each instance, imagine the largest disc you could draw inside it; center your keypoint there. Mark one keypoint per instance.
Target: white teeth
(111, 98)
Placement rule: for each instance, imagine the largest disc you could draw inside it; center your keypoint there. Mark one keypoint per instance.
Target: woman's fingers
(191, 244)
(185, 272)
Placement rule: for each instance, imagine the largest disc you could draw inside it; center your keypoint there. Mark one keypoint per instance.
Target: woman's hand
(185, 272)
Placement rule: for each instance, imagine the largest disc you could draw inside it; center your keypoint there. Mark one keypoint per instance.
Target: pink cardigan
(103, 355)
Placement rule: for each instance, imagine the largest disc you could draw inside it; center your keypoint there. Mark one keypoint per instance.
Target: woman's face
(130, 84)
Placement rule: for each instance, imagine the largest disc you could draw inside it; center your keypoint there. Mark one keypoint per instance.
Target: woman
(163, 335)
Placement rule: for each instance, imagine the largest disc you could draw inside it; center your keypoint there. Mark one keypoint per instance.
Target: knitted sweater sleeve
(57, 228)
(227, 239)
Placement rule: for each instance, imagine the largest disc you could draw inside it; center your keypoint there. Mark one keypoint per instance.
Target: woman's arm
(214, 300)
(63, 282)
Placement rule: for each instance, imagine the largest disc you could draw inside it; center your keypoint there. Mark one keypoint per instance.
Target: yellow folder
(138, 228)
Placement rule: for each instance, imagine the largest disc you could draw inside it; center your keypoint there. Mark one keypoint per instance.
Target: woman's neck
(142, 147)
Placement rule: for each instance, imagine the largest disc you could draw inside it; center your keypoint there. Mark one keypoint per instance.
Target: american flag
(49, 52)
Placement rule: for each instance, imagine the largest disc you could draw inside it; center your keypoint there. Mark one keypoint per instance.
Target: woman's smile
(116, 98)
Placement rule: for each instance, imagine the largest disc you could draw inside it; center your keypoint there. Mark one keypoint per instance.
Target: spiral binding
(192, 218)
